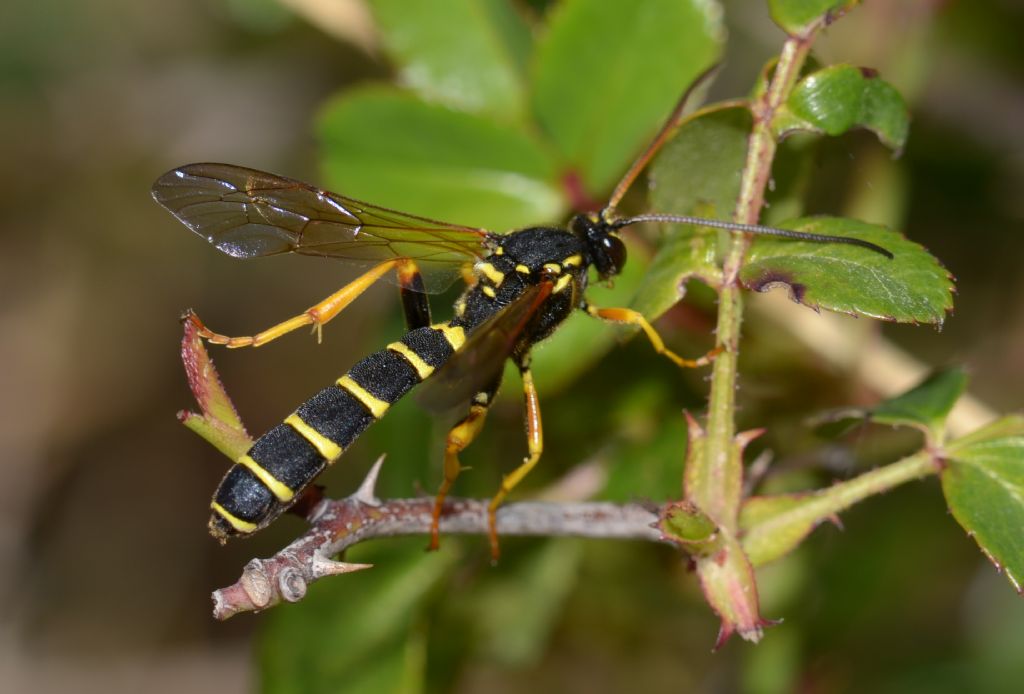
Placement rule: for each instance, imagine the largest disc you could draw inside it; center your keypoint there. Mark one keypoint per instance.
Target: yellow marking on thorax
(573, 260)
(375, 405)
(562, 283)
(491, 273)
(324, 446)
(500, 250)
(553, 267)
(488, 290)
(277, 487)
(423, 369)
(242, 526)
(455, 335)
(522, 269)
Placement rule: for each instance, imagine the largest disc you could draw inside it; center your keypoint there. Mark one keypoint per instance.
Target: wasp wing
(247, 213)
(480, 361)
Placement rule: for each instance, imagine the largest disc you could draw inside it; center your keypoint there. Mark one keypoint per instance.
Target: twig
(339, 524)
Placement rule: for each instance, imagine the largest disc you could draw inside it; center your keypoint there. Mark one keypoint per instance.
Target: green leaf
(697, 172)
(840, 98)
(681, 257)
(911, 288)
(468, 54)
(796, 17)
(608, 73)
(1011, 425)
(984, 488)
(393, 149)
(700, 168)
(344, 625)
(925, 406)
(793, 171)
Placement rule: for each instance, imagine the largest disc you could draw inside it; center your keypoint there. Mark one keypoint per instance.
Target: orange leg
(631, 317)
(535, 446)
(460, 436)
(316, 315)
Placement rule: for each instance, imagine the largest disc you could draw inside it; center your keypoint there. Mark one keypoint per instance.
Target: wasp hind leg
(460, 436)
(630, 317)
(417, 310)
(535, 446)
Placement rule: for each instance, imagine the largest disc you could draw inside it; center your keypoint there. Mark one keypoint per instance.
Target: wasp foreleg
(631, 317)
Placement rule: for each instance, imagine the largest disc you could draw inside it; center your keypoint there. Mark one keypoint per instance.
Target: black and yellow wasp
(525, 283)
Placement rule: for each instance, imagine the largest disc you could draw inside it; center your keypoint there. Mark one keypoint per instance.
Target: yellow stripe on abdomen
(242, 526)
(455, 335)
(276, 486)
(423, 369)
(375, 405)
(324, 446)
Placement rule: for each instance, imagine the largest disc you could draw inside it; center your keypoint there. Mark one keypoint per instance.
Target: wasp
(525, 283)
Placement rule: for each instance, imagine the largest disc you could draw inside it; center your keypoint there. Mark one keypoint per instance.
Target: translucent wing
(480, 361)
(247, 213)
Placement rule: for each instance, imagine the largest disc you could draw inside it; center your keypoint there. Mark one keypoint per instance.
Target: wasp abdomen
(284, 461)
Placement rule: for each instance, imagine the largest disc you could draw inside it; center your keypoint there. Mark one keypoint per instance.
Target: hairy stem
(720, 495)
(775, 536)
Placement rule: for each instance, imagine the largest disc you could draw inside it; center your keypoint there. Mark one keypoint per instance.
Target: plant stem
(721, 492)
(781, 532)
(342, 523)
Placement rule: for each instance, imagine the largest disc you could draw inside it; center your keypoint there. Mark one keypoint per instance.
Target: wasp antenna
(754, 229)
(666, 131)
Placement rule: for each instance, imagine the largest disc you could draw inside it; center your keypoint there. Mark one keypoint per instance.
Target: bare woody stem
(719, 497)
(337, 524)
(342, 523)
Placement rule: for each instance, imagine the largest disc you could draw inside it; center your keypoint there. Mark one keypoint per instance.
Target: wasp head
(605, 249)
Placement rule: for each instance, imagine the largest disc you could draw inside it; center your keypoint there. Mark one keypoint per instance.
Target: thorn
(724, 632)
(322, 566)
(744, 438)
(366, 493)
(693, 426)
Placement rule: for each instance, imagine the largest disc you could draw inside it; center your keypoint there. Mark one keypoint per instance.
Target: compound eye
(615, 252)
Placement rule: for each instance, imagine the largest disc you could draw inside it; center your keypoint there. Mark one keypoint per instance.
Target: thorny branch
(337, 524)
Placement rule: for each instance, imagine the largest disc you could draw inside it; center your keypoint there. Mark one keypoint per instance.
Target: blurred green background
(107, 566)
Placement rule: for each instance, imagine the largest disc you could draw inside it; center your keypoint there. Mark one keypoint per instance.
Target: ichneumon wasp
(525, 283)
